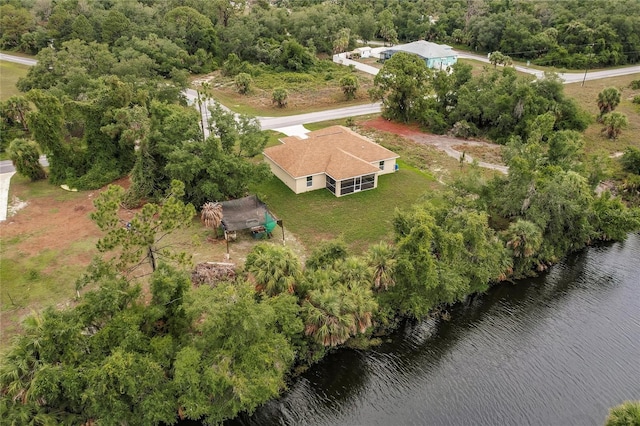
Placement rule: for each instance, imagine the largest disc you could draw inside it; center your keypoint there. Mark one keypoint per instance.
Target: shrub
(243, 83)
(26, 158)
(635, 84)
(625, 414)
(464, 129)
(349, 85)
(631, 160)
(636, 99)
(279, 97)
(434, 121)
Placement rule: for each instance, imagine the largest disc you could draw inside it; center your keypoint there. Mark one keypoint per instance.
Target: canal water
(559, 349)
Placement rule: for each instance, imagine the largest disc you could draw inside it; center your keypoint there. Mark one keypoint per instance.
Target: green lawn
(362, 219)
(9, 75)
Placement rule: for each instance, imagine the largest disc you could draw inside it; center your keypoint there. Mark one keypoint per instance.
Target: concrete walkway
(5, 179)
(298, 130)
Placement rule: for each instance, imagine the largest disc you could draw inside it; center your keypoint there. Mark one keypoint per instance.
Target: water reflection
(556, 350)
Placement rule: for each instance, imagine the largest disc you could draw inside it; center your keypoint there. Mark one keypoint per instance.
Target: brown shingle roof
(336, 151)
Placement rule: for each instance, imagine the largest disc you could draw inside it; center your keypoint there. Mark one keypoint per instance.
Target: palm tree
(524, 238)
(362, 306)
(212, 215)
(614, 123)
(325, 319)
(335, 311)
(353, 272)
(15, 109)
(381, 259)
(280, 97)
(274, 269)
(608, 100)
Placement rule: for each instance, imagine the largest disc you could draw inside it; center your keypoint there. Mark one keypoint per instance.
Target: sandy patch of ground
(450, 145)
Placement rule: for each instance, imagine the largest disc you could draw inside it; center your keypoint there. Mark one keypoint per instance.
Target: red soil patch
(53, 224)
(385, 125)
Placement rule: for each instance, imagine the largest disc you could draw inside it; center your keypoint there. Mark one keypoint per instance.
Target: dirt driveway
(450, 145)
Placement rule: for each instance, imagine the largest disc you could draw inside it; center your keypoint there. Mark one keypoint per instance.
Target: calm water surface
(556, 350)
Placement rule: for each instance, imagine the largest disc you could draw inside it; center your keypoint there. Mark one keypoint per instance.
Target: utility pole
(589, 57)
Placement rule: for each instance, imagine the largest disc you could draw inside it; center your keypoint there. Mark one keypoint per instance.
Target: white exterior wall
(389, 167)
(281, 174)
(319, 182)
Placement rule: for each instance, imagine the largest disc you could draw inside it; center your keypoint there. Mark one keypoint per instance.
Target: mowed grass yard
(9, 75)
(587, 97)
(361, 219)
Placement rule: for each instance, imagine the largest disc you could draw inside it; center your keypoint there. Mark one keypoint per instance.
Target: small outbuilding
(363, 52)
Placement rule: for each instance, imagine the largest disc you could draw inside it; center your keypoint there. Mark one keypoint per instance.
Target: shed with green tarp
(248, 213)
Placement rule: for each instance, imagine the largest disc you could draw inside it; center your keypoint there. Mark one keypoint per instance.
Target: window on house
(381, 165)
(368, 182)
(331, 184)
(309, 181)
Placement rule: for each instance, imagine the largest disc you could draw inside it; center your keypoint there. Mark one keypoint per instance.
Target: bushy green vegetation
(625, 414)
(26, 158)
(497, 104)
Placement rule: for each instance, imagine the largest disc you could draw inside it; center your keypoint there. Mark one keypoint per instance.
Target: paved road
(568, 77)
(268, 123)
(6, 166)
(17, 59)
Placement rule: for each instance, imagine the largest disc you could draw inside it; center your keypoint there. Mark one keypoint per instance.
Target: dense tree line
(571, 34)
(98, 118)
(497, 103)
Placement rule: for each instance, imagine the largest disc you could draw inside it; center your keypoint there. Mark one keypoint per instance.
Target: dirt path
(446, 144)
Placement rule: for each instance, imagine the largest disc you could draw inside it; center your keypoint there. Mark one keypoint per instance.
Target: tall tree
(401, 83)
(14, 22)
(46, 124)
(141, 240)
(191, 29)
(238, 358)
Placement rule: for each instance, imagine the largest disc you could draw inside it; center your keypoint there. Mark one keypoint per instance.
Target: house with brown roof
(335, 158)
